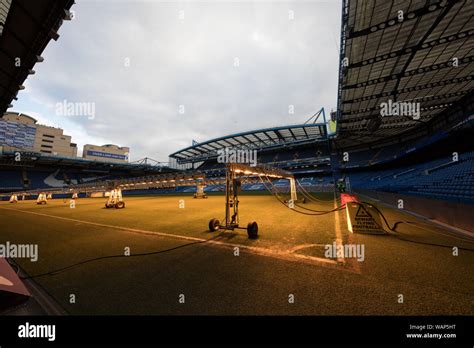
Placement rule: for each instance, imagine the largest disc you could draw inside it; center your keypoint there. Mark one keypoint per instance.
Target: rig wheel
(120, 205)
(252, 230)
(214, 225)
(107, 205)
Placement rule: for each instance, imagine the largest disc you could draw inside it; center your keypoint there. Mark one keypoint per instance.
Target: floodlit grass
(278, 225)
(215, 281)
(63, 242)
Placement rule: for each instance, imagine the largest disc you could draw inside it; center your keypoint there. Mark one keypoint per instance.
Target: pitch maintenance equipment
(234, 175)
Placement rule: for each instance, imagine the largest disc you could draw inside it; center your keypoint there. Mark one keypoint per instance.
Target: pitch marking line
(337, 228)
(288, 256)
(352, 263)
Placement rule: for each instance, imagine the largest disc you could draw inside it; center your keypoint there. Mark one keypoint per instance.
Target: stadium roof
(263, 139)
(26, 27)
(402, 51)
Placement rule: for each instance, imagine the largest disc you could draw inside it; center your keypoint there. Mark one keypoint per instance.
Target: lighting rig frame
(234, 174)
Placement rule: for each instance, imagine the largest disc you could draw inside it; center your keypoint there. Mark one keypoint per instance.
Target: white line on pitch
(337, 227)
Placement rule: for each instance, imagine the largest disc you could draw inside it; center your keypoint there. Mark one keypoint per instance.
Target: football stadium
(362, 210)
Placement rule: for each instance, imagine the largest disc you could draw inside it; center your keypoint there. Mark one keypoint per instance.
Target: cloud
(234, 66)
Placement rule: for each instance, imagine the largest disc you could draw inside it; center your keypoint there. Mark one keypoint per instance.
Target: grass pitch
(279, 227)
(214, 280)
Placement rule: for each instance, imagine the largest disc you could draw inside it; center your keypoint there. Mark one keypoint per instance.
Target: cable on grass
(393, 230)
(66, 268)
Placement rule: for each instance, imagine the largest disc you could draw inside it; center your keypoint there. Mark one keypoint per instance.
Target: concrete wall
(454, 214)
(53, 141)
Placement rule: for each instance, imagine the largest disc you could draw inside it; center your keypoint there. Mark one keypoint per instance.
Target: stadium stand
(10, 180)
(381, 63)
(38, 171)
(441, 179)
(270, 143)
(395, 154)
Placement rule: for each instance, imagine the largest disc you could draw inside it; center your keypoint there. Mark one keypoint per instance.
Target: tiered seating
(10, 179)
(37, 178)
(367, 157)
(441, 179)
(289, 159)
(13, 179)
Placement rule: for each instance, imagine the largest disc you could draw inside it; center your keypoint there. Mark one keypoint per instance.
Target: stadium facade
(22, 132)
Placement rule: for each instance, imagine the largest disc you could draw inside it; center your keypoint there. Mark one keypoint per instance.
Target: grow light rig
(233, 180)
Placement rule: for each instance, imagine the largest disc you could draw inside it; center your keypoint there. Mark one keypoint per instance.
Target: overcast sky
(229, 65)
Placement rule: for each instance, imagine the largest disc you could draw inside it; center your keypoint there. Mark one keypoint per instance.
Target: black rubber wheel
(214, 225)
(120, 205)
(252, 230)
(107, 205)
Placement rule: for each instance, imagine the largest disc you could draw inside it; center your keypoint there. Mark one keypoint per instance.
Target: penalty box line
(352, 263)
(288, 256)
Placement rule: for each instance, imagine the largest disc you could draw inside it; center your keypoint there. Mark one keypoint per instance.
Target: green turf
(431, 279)
(279, 227)
(63, 242)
